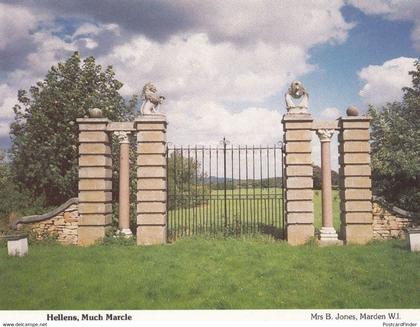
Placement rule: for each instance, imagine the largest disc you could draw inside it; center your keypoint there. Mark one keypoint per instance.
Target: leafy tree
(396, 147)
(45, 134)
(186, 186)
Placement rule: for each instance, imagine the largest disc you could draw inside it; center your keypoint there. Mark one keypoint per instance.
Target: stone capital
(325, 134)
(122, 136)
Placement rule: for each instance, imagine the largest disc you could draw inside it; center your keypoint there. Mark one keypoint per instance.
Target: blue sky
(223, 65)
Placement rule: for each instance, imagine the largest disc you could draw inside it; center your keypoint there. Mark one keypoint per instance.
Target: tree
(396, 147)
(318, 178)
(45, 134)
(188, 187)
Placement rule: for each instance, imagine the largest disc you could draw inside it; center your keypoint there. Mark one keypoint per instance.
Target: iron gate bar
(200, 203)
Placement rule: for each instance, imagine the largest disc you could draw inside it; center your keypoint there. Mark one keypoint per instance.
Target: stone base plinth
(88, 235)
(150, 235)
(328, 234)
(357, 233)
(126, 232)
(299, 234)
(17, 247)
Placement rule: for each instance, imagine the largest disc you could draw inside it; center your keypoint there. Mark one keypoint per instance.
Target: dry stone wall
(61, 223)
(391, 222)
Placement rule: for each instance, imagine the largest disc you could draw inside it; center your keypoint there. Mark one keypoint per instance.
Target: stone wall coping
(325, 124)
(395, 210)
(161, 118)
(356, 118)
(92, 120)
(120, 126)
(297, 117)
(45, 216)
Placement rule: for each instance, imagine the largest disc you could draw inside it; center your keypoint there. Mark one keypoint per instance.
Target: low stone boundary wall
(391, 222)
(62, 222)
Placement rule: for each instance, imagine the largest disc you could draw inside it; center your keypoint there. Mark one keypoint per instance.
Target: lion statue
(297, 92)
(151, 100)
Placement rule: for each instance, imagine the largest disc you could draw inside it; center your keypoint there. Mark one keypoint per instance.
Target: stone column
(95, 180)
(299, 181)
(124, 196)
(328, 233)
(151, 179)
(355, 181)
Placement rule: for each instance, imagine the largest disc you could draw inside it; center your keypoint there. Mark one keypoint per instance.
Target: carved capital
(325, 134)
(122, 136)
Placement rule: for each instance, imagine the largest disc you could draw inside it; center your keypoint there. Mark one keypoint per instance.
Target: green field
(209, 273)
(247, 210)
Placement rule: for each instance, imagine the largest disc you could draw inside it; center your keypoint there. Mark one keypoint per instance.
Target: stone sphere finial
(95, 113)
(352, 111)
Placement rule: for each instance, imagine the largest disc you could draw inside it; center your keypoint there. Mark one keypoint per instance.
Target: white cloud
(383, 83)
(15, 24)
(192, 122)
(195, 67)
(330, 113)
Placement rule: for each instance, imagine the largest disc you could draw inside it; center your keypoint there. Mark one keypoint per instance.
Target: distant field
(248, 210)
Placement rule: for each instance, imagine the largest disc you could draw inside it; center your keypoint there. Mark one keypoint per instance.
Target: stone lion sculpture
(151, 100)
(297, 92)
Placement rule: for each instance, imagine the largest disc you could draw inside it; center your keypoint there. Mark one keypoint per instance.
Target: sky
(223, 66)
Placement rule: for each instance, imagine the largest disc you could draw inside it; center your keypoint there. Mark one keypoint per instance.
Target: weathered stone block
(357, 218)
(355, 170)
(147, 195)
(149, 235)
(151, 207)
(151, 219)
(354, 158)
(299, 182)
(95, 172)
(357, 233)
(298, 135)
(298, 234)
(88, 235)
(95, 208)
(94, 184)
(357, 182)
(156, 126)
(93, 126)
(356, 194)
(298, 147)
(152, 136)
(299, 206)
(361, 124)
(151, 184)
(299, 194)
(356, 206)
(94, 148)
(151, 148)
(95, 219)
(95, 196)
(93, 137)
(355, 135)
(151, 160)
(95, 160)
(299, 170)
(298, 158)
(297, 125)
(354, 146)
(153, 171)
(300, 217)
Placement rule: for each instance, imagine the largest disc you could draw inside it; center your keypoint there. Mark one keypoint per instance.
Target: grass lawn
(205, 273)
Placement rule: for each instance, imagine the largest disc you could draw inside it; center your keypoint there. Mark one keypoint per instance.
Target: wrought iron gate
(226, 189)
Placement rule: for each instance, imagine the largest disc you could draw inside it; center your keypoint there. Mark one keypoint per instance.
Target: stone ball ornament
(352, 111)
(95, 113)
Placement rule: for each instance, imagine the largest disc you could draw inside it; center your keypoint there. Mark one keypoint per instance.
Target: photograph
(177, 162)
